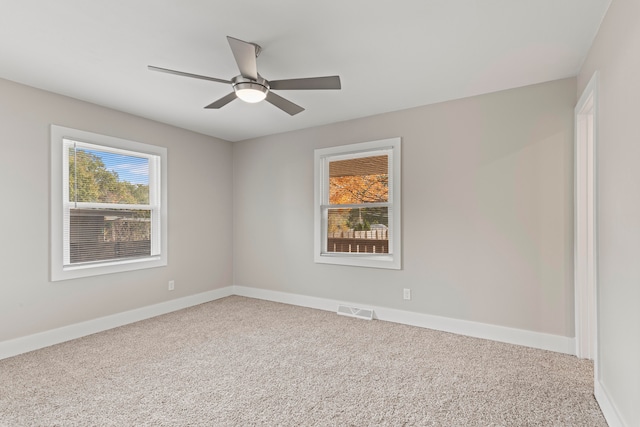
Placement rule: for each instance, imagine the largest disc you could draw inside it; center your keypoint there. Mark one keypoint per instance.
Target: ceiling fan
(251, 87)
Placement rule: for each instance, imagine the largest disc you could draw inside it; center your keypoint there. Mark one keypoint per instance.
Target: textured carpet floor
(243, 362)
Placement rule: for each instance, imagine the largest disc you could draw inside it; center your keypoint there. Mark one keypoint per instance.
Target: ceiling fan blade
(329, 82)
(245, 55)
(284, 104)
(182, 73)
(222, 101)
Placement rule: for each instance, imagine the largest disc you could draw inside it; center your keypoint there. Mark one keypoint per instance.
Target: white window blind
(111, 209)
(357, 203)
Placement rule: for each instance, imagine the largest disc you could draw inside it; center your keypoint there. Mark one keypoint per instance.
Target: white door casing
(585, 242)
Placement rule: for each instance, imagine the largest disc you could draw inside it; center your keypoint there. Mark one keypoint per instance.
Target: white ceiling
(390, 55)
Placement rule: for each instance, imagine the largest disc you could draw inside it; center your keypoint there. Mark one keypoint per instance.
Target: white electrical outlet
(406, 293)
(172, 285)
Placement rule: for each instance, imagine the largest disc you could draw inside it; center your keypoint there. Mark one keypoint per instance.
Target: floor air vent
(360, 313)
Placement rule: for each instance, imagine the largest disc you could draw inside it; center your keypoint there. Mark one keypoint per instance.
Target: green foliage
(360, 226)
(361, 219)
(91, 181)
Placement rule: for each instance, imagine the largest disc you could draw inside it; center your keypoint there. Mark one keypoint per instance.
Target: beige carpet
(243, 362)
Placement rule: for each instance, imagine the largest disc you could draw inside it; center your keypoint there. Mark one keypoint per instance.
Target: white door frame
(585, 242)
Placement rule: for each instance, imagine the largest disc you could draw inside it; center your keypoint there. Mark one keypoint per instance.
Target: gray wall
(616, 55)
(200, 197)
(487, 210)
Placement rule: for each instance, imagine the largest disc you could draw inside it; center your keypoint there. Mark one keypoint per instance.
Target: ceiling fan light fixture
(250, 92)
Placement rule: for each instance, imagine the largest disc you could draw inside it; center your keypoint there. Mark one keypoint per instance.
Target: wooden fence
(371, 241)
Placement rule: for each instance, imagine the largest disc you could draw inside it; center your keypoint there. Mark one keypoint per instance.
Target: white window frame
(322, 157)
(59, 228)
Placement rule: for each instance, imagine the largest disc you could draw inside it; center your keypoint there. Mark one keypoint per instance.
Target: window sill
(95, 269)
(360, 260)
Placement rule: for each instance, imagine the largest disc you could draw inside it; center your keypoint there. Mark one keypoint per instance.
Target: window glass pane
(358, 230)
(102, 177)
(359, 180)
(103, 234)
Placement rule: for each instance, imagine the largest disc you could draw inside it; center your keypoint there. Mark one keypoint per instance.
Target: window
(357, 204)
(108, 204)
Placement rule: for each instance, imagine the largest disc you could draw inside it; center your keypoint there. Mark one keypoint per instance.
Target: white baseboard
(522, 337)
(56, 336)
(463, 327)
(606, 406)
